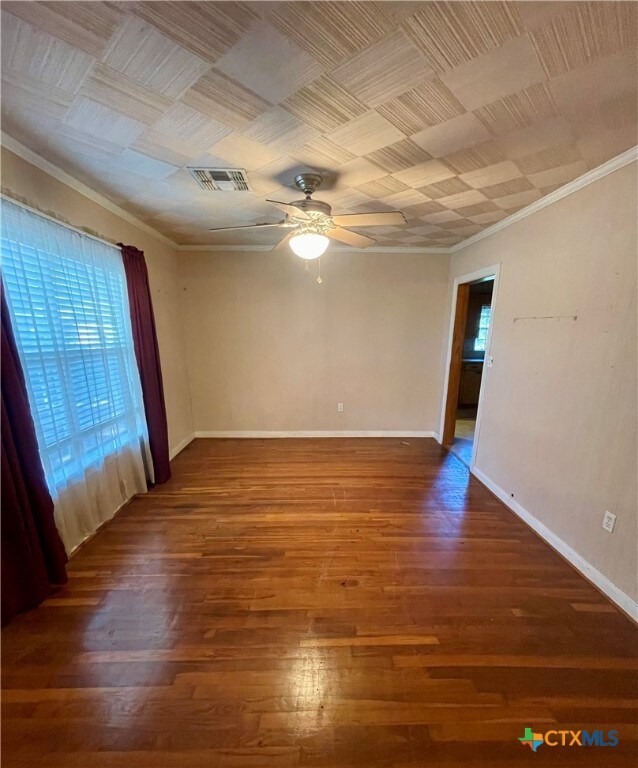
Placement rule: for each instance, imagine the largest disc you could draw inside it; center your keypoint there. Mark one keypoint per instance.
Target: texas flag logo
(533, 740)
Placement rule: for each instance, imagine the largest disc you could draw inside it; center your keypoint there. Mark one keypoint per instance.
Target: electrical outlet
(609, 521)
(340, 407)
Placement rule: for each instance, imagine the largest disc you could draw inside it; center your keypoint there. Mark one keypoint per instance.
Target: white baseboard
(180, 446)
(320, 433)
(615, 594)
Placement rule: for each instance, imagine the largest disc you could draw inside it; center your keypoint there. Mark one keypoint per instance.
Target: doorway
(467, 360)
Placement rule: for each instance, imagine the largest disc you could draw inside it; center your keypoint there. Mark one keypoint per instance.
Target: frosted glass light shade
(309, 245)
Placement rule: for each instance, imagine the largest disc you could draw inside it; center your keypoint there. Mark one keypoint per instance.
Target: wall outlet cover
(609, 521)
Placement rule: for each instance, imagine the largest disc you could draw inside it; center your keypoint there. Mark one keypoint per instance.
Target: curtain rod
(57, 221)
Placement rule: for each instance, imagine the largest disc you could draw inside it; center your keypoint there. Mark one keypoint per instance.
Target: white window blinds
(68, 303)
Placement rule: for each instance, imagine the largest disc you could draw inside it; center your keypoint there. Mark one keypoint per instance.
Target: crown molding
(629, 156)
(333, 249)
(44, 165)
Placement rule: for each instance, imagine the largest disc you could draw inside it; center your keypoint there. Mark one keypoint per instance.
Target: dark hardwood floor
(317, 603)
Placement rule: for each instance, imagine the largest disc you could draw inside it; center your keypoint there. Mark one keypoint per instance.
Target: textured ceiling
(458, 114)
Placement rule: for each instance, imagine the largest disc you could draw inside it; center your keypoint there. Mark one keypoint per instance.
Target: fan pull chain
(319, 280)
(307, 267)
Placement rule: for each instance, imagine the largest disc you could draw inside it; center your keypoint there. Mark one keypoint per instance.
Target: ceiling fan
(311, 222)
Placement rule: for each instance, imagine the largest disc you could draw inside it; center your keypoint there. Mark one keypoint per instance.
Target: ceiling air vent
(221, 179)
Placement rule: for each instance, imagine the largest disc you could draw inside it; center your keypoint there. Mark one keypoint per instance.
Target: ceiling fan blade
(382, 218)
(291, 210)
(245, 226)
(283, 242)
(350, 238)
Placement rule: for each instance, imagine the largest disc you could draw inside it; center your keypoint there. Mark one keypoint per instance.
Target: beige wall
(270, 350)
(32, 186)
(559, 417)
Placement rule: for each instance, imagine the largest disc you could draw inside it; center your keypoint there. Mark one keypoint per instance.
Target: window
(484, 323)
(68, 303)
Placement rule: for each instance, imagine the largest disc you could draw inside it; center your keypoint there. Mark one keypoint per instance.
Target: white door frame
(491, 271)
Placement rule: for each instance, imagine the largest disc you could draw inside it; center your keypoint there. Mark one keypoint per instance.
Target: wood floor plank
(331, 603)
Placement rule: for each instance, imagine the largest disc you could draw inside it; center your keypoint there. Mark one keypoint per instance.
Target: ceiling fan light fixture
(309, 245)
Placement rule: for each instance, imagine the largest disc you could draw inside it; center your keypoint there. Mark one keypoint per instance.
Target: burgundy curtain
(148, 360)
(33, 556)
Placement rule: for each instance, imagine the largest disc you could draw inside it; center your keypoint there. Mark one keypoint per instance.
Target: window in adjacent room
(483, 328)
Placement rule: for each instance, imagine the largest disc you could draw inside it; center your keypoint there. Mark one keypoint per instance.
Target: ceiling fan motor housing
(317, 209)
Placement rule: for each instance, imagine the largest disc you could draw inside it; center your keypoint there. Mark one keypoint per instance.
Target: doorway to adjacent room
(468, 356)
